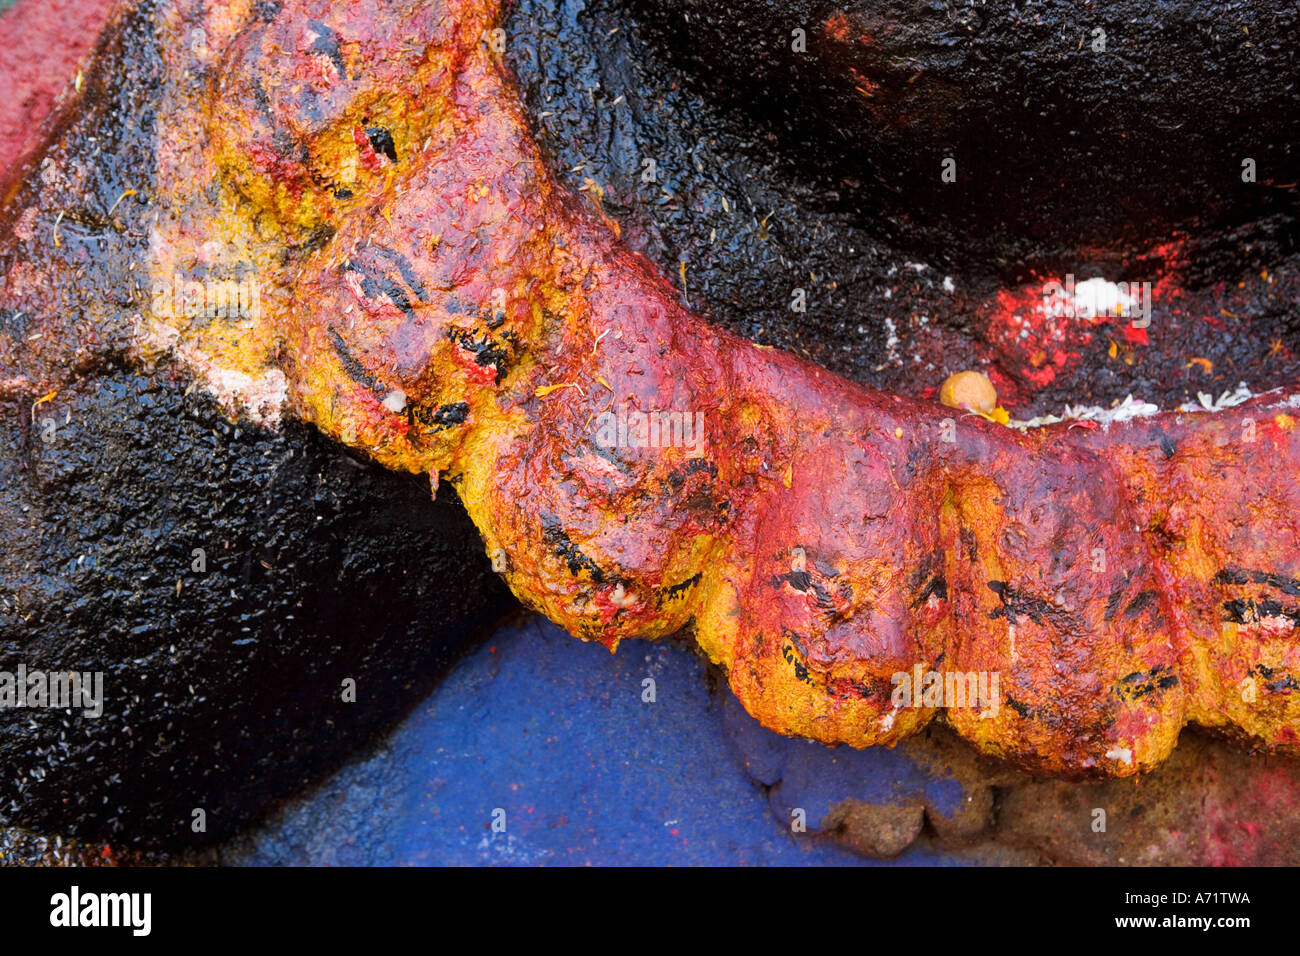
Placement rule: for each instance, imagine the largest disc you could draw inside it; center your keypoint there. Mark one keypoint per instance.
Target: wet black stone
(224, 694)
(1105, 126)
(821, 194)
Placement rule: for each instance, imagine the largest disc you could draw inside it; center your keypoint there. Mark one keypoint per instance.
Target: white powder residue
(261, 397)
(1207, 403)
(1125, 411)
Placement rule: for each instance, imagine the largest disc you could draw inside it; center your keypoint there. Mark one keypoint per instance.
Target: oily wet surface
(223, 677)
(745, 272)
(736, 212)
(1103, 127)
(226, 579)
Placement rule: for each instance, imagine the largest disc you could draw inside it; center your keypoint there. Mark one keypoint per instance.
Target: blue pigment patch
(554, 733)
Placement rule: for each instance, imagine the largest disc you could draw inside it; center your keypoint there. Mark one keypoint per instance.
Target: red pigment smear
(287, 172)
(478, 374)
(42, 44)
(838, 28)
(1036, 343)
(369, 158)
(1135, 336)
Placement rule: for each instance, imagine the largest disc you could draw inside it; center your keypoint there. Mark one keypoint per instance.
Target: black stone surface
(223, 688)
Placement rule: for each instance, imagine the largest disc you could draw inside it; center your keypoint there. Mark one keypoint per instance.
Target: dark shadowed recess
(772, 173)
(223, 688)
(1107, 125)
